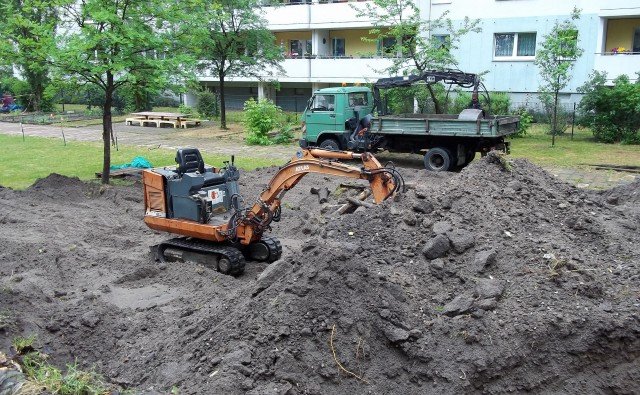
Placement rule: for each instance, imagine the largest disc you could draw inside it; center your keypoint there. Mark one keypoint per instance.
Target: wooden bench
(160, 122)
(187, 122)
(139, 120)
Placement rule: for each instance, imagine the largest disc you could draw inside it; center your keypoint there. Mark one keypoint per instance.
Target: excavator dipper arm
(383, 181)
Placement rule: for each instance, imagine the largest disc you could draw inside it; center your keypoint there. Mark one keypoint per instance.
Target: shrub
(525, 121)
(563, 116)
(165, 101)
(260, 118)
(499, 103)
(284, 136)
(207, 104)
(184, 109)
(461, 101)
(613, 113)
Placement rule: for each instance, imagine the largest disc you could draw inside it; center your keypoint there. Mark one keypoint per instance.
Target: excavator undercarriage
(204, 206)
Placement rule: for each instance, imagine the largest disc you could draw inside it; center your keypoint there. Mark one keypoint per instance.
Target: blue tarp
(138, 162)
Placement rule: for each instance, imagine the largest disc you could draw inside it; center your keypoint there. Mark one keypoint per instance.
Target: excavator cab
(196, 192)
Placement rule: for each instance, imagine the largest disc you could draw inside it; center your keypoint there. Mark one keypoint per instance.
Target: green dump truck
(341, 119)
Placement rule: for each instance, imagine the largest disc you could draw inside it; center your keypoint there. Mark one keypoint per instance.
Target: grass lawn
(536, 147)
(21, 163)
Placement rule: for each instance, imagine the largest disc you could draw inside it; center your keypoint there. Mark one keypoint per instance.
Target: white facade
(323, 41)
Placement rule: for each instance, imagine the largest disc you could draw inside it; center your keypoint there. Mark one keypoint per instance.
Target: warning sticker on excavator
(216, 196)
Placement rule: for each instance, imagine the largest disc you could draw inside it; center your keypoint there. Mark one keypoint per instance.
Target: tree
(110, 43)
(612, 112)
(555, 59)
(28, 28)
(412, 42)
(230, 38)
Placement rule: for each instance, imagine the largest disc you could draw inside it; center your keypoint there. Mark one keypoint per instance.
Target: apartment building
(324, 46)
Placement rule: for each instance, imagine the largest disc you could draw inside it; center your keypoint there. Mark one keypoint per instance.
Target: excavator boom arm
(383, 181)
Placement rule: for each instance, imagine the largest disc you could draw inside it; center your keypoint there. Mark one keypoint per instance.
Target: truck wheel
(438, 159)
(330, 144)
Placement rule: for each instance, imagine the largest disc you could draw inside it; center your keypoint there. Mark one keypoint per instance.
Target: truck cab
(332, 115)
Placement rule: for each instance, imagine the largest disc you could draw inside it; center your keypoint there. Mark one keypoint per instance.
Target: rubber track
(233, 254)
(275, 248)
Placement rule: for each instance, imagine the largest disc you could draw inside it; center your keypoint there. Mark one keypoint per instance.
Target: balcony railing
(616, 64)
(303, 2)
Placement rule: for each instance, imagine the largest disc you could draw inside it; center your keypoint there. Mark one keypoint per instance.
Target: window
(386, 46)
(299, 48)
(636, 40)
(323, 103)
(338, 47)
(358, 99)
(443, 40)
(515, 45)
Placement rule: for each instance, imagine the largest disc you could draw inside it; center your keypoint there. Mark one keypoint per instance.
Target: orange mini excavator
(204, 206)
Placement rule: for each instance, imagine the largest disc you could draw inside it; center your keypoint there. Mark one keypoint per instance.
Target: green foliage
(116, 44)
(184, 109)
(230, 38)
(525, 121)
(551, 109)
(48, 377)
(260, 118)
(165, 101)
(28, 28)
(499, 103)
(401, 100)
(555, 59)
(208, 104)
(613, 113)
(23, 344)
(426, 44)
(285, 135)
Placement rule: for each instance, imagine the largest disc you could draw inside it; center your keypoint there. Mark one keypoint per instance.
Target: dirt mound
(496, 279)
(624, 194)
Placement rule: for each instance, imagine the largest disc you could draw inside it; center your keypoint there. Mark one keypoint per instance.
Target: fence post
(64, 140)
(21, 128)
(573, 119)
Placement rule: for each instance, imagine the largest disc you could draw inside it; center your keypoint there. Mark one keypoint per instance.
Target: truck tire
(330, 144)
(438, 159)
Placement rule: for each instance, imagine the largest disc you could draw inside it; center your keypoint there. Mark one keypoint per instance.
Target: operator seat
(189, 160)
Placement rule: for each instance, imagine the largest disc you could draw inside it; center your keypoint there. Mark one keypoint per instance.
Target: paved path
(230, 142)
(207, 140)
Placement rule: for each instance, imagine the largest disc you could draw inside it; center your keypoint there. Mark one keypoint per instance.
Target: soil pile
(496, 279)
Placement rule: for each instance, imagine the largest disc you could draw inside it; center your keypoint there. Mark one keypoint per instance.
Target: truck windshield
(323, 103)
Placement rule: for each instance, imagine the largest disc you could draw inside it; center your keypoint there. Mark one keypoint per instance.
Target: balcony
(327, 70)
(620, 46)
(326, 15)
(617, 64)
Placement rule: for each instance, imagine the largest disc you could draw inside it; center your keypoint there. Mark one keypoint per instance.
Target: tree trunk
(107, 129)
(436, 103)
(223, 109)
(36, 82)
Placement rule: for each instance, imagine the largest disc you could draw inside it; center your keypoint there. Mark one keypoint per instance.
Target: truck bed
(444, 125)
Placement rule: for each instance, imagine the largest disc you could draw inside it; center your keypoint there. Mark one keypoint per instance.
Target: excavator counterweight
(204, 206)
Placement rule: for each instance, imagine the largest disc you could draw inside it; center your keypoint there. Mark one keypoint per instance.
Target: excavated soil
(490, 280)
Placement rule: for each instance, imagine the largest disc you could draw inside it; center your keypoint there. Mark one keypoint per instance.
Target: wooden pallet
(121, 173)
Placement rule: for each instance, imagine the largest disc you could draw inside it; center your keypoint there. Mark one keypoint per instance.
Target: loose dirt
(495, 279)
